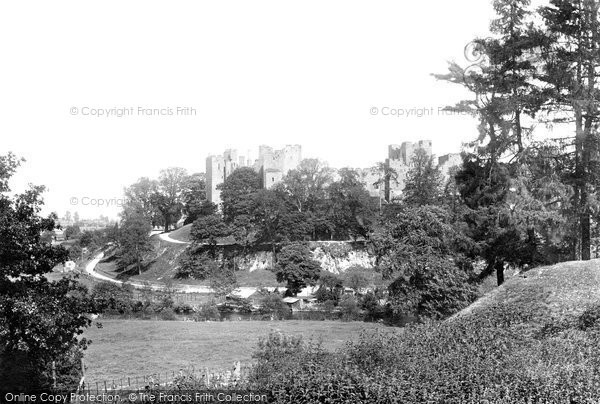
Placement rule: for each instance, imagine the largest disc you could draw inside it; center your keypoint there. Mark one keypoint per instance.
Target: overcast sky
(323, 74)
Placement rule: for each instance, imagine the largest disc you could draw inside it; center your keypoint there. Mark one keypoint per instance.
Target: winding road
(90, 269)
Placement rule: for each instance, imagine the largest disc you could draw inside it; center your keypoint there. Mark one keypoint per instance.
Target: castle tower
(215, 175)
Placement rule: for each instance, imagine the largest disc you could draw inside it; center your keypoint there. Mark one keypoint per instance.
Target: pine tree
(572, 61)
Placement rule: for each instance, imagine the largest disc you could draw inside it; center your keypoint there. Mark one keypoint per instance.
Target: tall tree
(296, 266)
(168, 195)
(572, 64)
(139, 200)
(134, 241)
(306, 188)
(40, 321)
(194, 198)
(237, 194)
(350, 207)
(423, 181)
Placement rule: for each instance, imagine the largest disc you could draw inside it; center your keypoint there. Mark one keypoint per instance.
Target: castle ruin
(400, 160)
(272, 165)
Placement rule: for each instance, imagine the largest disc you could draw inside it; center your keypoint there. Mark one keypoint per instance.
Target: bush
(349, 308)
(273, 304)
(589, 318)
(113, 299)
(207, 312)
(167, 314)
(489, 356)
(374, 310)
(236, 304)
(183, 308)
(432, 287)
(196, 264)
(329, 306)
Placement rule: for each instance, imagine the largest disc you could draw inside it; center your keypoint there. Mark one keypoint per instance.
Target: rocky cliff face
(334, 256)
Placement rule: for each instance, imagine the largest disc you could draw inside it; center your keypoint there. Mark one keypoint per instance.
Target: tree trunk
(499, 265)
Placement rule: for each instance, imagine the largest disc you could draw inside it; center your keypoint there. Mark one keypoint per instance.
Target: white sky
(257, 72)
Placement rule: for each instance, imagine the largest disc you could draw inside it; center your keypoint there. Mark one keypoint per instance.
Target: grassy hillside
(161, 266)
(535, 339)
(182, 234)
(548, 294)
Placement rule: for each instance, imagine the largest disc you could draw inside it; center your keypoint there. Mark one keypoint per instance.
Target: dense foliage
(494, 356)
(296, 267)
(40, 321)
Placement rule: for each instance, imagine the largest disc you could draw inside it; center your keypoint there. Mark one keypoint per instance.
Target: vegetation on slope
(535, 339)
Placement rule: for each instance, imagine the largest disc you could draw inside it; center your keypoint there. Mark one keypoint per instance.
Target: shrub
(196, 264)
(329, 306)
(374, 310)
(589, 318)
(349, 308)
(207, 311)
(112, 298)
(236, 304)
(273, 304)
(167, 314)
(488, 356)
(183, 308)
(431, 287)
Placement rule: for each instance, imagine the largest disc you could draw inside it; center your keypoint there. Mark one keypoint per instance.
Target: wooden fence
(197, 377)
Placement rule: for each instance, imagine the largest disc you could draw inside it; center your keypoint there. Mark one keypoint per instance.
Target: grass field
(123, 348)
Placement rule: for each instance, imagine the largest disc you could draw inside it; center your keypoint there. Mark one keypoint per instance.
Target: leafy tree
(356, 281)
(72, 232)
(237, 194)
(223, 281)
(349, 308)
(429, 260)
(423, 181)
(139, 199)
(351, 208)
(307, 184)
(272, 303)
(196, 264)
(134, 241)
(387, 176)
(75, 252)
(330, 288)
(275, 219)
(194, 199)
(40, 321)
(296, 266)
(306, 189)
(168, 195)
(209, 229)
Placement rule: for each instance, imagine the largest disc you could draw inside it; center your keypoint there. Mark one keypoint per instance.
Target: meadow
(130, 348)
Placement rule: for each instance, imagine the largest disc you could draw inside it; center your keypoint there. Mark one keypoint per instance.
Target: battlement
(272, 165)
